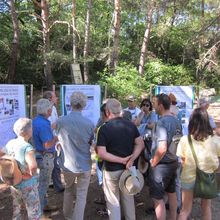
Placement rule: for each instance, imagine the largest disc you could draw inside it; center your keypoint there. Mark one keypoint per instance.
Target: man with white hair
(75, 133)
(44, 143)
(118, 145)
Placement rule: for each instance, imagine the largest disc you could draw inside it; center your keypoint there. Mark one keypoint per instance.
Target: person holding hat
(132, 108)
(118, 145)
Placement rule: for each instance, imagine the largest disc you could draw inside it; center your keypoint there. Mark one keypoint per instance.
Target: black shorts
(162, 179)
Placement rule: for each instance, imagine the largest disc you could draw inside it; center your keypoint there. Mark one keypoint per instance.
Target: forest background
(127, 47)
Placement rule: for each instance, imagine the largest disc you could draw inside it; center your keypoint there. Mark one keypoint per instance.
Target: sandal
(102, 212)
(100, 201)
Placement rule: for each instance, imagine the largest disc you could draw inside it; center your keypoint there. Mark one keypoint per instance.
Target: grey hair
(48, 95)
(114, 106)
(78, 100)
(22, 126)
(43, 105)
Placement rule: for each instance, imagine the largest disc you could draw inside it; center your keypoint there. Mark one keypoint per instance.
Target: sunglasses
(147, 105)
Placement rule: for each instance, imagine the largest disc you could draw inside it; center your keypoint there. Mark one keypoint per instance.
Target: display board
(93, 93)
(185, 100)
(12, 107)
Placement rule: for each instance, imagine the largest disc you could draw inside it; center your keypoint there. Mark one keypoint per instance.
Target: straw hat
(131, 184)
(9, 170)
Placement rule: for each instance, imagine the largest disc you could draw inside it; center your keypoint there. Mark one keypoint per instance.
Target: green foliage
(174, 47)
(158, 73)
(127, 81)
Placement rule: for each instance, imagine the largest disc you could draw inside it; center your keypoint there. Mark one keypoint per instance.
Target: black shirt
(118, 136)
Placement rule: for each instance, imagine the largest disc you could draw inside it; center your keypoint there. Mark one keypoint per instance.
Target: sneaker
(48, 208)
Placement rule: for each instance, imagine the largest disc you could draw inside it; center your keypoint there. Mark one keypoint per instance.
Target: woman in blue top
(146, 118)
(24, 153)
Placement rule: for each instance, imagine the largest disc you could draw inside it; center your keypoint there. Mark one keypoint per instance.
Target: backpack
(175, 141)
(10, 172)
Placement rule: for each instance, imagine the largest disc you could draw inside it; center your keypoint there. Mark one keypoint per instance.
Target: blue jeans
(178, 186)
(56, 177)
(45, 163)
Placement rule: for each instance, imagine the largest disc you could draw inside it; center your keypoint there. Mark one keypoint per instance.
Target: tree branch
(37, 4)
(60, 22)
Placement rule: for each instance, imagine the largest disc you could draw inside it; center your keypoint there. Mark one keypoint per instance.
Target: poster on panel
(93, 93)
(185, 100)
(12, 107)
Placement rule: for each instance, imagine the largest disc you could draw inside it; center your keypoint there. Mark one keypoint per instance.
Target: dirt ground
(142, 202)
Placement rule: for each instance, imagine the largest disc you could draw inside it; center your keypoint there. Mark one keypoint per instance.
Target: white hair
(22, 126)
(43, 105)
(78, 100)
(114, 106)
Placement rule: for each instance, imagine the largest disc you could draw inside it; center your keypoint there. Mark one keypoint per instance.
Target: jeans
(178, 186)
(81, 182)
(99, 173)
(56, 177)
(45, 163)
(115, 198)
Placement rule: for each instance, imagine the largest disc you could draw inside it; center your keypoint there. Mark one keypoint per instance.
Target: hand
(129, 163)
(124, 160)
(53, 126)
(151, 163)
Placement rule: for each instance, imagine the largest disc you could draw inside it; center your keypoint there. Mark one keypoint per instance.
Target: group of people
(65, 142)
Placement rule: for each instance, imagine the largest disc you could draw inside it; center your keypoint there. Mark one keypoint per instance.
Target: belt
(45, 152)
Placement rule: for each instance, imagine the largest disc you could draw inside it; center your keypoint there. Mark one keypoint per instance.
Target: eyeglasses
(147, 105)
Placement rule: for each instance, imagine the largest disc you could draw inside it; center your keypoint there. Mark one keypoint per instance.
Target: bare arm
(51, 143)
(104, 155)
(31, 162)
(138, 147)
(1, 153)
(139, 118)
(160, 152)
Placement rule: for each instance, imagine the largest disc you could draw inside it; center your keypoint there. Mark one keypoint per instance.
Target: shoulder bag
(206, 183)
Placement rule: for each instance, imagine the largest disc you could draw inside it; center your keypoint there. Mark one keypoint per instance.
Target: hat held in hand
(131, 181)
(9, 170)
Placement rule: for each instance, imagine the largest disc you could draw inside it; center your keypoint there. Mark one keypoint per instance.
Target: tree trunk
(116, 30)
(146, 39)
(74, 28)
(46, 42)
(15, 44)
(167, 50)
(86, 43)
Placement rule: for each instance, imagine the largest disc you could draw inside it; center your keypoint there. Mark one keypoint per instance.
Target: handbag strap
(192, 149)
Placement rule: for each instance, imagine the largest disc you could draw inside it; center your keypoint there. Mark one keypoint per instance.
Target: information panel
(185, 100)
(12, 107)
(93, 93)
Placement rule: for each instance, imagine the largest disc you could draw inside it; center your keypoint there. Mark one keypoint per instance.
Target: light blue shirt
(18, 148)
(75, 133)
